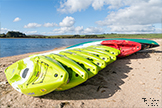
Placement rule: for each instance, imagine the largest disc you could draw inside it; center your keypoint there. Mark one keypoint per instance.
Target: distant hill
(14, 34)
(11, 34)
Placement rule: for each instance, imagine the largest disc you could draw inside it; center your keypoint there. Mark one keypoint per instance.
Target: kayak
(126, 47)
(77, 74)
(144, 42)
(87, 65)
(111, 56)
(111, 50)
(101, 55)
(93, 58)
(36, 76)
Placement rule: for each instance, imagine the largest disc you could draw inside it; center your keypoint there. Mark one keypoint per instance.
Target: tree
(15, 34)
(2, 35)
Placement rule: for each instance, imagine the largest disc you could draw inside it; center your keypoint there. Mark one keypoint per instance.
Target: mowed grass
(131, 35)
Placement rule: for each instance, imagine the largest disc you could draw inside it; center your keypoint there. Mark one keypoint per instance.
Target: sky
(69, 17)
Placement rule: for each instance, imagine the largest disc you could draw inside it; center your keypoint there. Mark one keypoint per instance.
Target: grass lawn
(131, 35)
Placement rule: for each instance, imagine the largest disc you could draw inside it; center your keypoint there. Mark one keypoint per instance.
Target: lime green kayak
(103, 56)
(93, 58)
(111, 50)
(77, 74)
(36, 76)
(112, 56)
(87, 65)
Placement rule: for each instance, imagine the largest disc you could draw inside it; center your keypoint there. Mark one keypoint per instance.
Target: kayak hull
(126, 47)
(36, 76)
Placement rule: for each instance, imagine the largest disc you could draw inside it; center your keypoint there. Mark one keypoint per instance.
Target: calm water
(10, 47)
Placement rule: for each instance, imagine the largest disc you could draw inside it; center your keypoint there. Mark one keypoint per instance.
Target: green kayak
(77, 74)
(103, 56)
(93, 58)
(36, 76)
(111, 50)
(87, 65)
(112, 56)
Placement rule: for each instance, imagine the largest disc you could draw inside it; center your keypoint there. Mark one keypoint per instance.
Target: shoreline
(31, 53)
(125, 83)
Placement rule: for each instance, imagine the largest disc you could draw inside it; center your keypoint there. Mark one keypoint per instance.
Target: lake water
(10, 47)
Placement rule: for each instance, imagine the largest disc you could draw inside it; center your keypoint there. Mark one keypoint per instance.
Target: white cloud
(32, 25)
(50, 24)
(139, 17)
(71, 6)
(31, 32)
(97, 4)
(67, 22)
(158, 30)
(77, 30)
(93, 30)
(111, 4)
(16, 30)
(16, 19)
(4, 30)
(134, 28)
(136, 14)
(63, 30)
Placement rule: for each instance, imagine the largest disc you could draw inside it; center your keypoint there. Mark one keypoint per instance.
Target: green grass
(131, 35)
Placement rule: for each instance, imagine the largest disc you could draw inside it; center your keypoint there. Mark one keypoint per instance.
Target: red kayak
(126, 47)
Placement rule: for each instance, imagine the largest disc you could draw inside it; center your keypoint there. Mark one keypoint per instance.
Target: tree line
(14, 34)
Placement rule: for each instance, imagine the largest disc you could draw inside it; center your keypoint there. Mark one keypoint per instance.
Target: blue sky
(61, 17)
